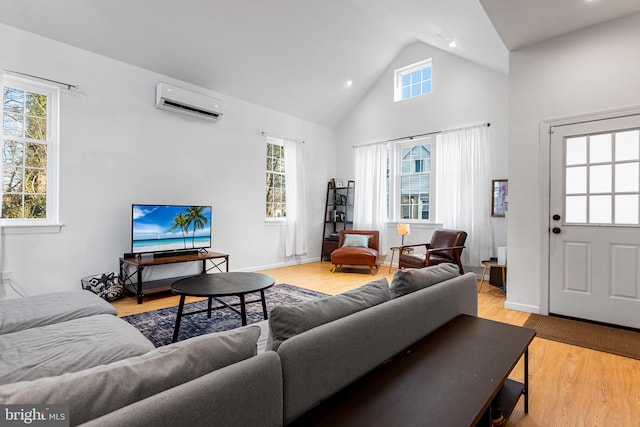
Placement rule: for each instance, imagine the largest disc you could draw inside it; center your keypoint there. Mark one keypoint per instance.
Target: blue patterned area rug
(158, 325)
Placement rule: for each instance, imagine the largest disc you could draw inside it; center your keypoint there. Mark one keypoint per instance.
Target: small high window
(413, 80)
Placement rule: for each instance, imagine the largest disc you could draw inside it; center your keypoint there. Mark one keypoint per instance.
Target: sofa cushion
(46, 309)
(411, 279)
(356, 240)
(286, 321)
(69, 346)
(94, 392)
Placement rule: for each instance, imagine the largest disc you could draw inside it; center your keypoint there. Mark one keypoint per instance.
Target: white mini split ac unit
(176, 99)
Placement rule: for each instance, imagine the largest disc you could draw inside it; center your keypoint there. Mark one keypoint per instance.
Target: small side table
(494, 264)
(393, 252)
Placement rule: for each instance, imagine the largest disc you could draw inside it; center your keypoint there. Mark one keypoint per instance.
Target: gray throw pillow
(356, 240)
(286, 321)
(412, 279)
(97, 391)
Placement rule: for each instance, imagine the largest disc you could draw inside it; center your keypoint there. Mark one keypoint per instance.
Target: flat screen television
(164, 228)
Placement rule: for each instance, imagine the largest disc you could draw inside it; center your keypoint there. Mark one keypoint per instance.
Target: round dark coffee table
(213, 286)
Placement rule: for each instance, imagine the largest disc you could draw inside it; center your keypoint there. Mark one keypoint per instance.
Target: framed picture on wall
(499, 192)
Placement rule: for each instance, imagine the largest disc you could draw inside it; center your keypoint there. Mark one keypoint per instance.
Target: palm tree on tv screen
(195, 217)
(181, 221)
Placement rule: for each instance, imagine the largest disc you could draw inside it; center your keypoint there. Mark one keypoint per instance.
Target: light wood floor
(569, 385)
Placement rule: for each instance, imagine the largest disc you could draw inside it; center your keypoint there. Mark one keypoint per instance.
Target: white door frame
(544, 155)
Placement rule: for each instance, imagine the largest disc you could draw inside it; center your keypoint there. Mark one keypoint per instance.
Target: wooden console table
(449, 378)
(140, 263)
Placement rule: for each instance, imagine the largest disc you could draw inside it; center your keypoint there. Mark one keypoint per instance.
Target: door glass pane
(600, 179)
(576, 209)
(600, 209)
(627, 209)
(576, 180)
(627, 145)
(577, 150)
(600, 148)
(627, 177)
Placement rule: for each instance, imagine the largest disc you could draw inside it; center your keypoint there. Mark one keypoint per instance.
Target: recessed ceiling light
(348, 83)
(451, 40)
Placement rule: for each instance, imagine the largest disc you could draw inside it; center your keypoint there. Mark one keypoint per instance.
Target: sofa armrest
(247, 393)
(319, 362)
(426, 246)
(47, 309)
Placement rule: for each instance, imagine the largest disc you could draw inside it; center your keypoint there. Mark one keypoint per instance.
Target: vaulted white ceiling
(294, 56)
(524, 22)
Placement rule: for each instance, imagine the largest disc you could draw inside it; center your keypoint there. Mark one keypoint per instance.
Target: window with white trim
(411, 184)
(29, 152)
(413, 80)
(602, 175)
(276, 190)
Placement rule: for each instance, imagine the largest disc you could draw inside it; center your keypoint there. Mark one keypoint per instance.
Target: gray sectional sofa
(56, 333)
(266, 374)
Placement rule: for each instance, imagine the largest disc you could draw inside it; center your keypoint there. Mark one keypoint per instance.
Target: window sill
(417, 224)
(275, 222)
(31, 229)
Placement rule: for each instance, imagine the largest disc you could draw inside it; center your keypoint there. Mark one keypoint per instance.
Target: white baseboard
(279, 264)
(522, 307)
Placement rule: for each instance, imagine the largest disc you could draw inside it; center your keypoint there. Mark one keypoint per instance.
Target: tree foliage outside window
(25, 121)
(276, 206)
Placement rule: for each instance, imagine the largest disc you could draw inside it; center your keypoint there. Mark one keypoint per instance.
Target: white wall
(589, 71)
(464, 94)
(117, 149)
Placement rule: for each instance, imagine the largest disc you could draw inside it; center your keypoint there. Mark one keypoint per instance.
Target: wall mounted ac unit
(176, 99)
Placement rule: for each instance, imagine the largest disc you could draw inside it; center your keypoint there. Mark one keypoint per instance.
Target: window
(411, 186)
(602, 175)
(276, 195)
(413, 80)
(29, 152)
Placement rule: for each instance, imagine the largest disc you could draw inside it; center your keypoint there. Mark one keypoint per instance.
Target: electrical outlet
(5, 276)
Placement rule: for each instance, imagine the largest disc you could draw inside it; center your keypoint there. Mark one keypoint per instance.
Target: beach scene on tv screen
(170, 228)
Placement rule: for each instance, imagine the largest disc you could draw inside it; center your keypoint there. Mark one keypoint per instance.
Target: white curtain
(370, 199)
(463, 189)
(295, 225)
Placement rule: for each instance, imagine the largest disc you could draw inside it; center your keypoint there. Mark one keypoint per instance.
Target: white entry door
(594, 251)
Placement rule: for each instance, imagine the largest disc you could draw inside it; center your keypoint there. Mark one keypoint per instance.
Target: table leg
(243, 310)
(525, 390)
(484, 271)
(391, 262)
(264, 305)
(176, 329)
(139, 285)
(209, 308)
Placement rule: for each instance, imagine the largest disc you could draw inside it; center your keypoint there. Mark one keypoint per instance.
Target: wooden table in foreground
(449, 378)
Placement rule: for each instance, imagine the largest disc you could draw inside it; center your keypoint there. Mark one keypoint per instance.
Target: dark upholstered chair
(357, 255)
(445, 246)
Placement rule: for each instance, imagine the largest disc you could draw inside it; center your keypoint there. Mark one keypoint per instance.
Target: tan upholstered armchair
(445, 246)
(357, 247)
